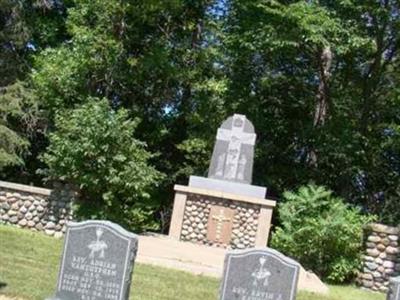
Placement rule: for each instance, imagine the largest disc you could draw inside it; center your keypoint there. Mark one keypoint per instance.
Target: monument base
(217, 218)
(228, 186)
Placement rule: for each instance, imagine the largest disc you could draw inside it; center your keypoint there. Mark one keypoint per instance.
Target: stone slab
(97, 262)
(228, 186)
(162, 250)
(24, 188)
(259, 274)
(394, 289)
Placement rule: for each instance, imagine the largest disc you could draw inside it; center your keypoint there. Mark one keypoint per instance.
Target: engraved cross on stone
(220, 222)
(235, 162)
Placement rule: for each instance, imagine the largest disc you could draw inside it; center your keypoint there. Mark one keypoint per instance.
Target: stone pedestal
(217, 218)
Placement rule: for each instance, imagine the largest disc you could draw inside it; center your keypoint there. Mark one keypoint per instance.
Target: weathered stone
(23, 223)
(31, 223)
(39, 226)
(367, 276)
(384, 229)
(388, 264)
(381, 247)
(50, 225)
(373, 252)
(377, 274)
(5, 206)
(371, 266)
(13, 220)
(374, 239)
(12, 213)
(392, 250)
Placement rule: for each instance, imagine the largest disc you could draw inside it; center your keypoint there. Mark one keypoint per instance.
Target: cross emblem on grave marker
(220, 222)
(233, 165)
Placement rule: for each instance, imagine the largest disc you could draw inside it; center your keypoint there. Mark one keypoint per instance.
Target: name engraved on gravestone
(220, 223)
(259, 274)
(97, 262)
(233, 153)
(394, 289)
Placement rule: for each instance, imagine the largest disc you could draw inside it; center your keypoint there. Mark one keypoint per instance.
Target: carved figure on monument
(98, 246)
(234, 150)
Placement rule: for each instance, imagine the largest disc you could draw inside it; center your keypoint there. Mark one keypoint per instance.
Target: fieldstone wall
(37, 209)
(382, 259)
(196, 215)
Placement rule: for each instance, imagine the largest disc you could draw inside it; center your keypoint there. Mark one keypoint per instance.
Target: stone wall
(196, 217)
(35, 208)
(382, 259)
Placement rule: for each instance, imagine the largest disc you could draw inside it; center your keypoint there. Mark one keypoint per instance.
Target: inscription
(93, 282)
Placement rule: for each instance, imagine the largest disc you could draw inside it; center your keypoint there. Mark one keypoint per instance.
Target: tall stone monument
(225, 209)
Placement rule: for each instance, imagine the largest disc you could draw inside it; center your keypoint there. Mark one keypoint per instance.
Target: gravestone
(97, 262)
(233, 154)
(394, 289)
(259, 274)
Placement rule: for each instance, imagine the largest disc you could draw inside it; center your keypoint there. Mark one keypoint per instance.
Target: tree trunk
(322, 98)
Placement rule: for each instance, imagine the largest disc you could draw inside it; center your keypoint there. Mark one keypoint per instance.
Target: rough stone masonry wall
(382, 259)
(195, 220)
(36, 209)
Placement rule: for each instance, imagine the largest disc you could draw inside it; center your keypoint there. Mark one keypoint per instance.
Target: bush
(93, 147)
(322, 232)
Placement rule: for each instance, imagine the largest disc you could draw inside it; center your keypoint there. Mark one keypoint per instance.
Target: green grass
(29, 264)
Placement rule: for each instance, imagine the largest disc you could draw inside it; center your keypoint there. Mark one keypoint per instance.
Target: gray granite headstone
(233, 153)
(97, 262)
(259, 274)
(394, 289)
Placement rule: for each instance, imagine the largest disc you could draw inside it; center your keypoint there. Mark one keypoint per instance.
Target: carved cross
(220, 222)
(236, 138)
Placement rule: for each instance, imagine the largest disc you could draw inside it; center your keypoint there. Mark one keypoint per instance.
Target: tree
(155, 59)
(93, 149)
(18, 116)
(322, 232)
(316, 78)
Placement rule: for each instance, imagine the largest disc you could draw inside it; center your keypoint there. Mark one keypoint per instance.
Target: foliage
(277, 73)
(18, 116)
(93, 148)
(322, 232)
(319, 80)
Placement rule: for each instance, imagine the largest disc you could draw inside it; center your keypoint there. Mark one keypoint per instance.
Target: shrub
(93, 147)
(322, 232)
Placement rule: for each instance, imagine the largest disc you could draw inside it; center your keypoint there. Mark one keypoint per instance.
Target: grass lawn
(29, 265)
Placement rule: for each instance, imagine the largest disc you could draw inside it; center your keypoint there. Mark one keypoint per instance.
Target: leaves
(322, 232)
(93, 148)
